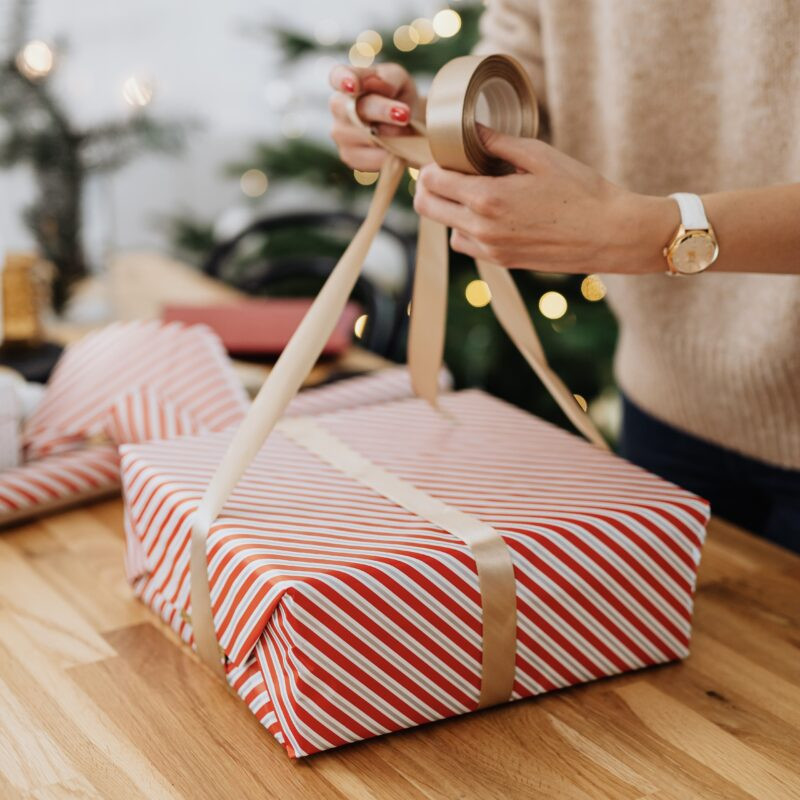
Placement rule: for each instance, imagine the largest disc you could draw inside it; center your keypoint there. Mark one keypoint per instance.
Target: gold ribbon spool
(493, 91)
(466, 91)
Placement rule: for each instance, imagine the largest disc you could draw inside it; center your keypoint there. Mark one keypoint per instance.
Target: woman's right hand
(387, 97)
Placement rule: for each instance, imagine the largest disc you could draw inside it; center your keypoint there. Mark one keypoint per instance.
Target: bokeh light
(365, 178)
(553, 305)
(405, 38)
(35, 60)
(254, 183)
(447, 23)
(372, 39)
(327, 32)
(361, 54)
(424, 29)
(592, 288)
(358, 328)
(478, 293)
(293, 125)
(137, 91)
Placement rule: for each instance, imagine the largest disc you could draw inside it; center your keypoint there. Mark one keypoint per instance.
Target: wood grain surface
(99, 700)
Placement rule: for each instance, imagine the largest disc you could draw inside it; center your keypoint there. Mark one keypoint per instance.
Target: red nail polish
(399, 114)
(349, 85)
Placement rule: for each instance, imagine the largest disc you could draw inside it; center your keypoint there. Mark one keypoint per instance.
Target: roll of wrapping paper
(467, 91)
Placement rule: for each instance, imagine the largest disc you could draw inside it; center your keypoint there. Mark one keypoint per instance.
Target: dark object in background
(262, 326)
(293, 254)
(33, 362)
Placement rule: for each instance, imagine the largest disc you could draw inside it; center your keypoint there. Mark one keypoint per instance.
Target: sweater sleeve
(512, 27)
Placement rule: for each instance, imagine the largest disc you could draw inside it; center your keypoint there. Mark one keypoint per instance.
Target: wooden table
(97, 699)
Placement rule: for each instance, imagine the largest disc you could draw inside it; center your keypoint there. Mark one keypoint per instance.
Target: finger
(462, 242)
(356, 80)
(396, 76)
(364, 159)
(374, 108)
(524, 154)
(339, 108)
(345, 134)
(451, 214)
(452, 185)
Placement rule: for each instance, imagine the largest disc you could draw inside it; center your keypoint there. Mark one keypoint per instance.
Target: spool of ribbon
(494, 91)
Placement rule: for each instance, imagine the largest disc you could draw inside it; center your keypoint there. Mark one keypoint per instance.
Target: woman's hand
(554, 214)
(387, 97)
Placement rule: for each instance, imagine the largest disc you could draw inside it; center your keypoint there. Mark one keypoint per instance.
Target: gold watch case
(691, 252)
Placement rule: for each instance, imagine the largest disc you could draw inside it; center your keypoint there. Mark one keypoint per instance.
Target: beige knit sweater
(674, 95)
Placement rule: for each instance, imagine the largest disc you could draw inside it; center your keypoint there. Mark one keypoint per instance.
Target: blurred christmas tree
(577, 329)
(37, 130)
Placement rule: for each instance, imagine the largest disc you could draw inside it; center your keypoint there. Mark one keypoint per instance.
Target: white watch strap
(693, 214)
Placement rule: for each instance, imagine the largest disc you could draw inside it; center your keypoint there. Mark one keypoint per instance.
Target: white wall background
(207, 60)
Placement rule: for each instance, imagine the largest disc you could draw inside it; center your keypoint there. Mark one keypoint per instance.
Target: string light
(553, 305)
(478, 293)
(35, 60)
(361, 55)
(424, 29)
(365, 178)
(592, 288)
(581, 401)
(405, 38)
(137, 91)
(254, 183)
(372, 39)
(447, 23)
(358, 328)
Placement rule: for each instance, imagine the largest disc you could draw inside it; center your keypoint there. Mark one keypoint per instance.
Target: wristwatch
(694, 246)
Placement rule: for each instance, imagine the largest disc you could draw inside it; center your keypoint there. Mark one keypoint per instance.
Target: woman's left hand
(553, 214)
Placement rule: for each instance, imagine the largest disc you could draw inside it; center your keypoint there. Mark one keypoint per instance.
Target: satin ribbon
(494, 91)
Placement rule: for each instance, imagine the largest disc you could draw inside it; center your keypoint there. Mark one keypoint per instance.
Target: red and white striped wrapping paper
(126, 382)
(132, 382)
(185, 367)
(392, 383)
(344, 616)
(56, 482)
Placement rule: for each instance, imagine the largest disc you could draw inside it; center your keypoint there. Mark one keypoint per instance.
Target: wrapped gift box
(344, 616)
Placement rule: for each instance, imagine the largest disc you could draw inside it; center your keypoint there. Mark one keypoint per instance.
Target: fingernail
(399, 114)
(349, 85)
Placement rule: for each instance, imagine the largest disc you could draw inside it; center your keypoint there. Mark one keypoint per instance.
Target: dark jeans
(759, 497)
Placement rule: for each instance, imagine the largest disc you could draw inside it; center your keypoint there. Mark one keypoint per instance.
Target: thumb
(514, 149)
